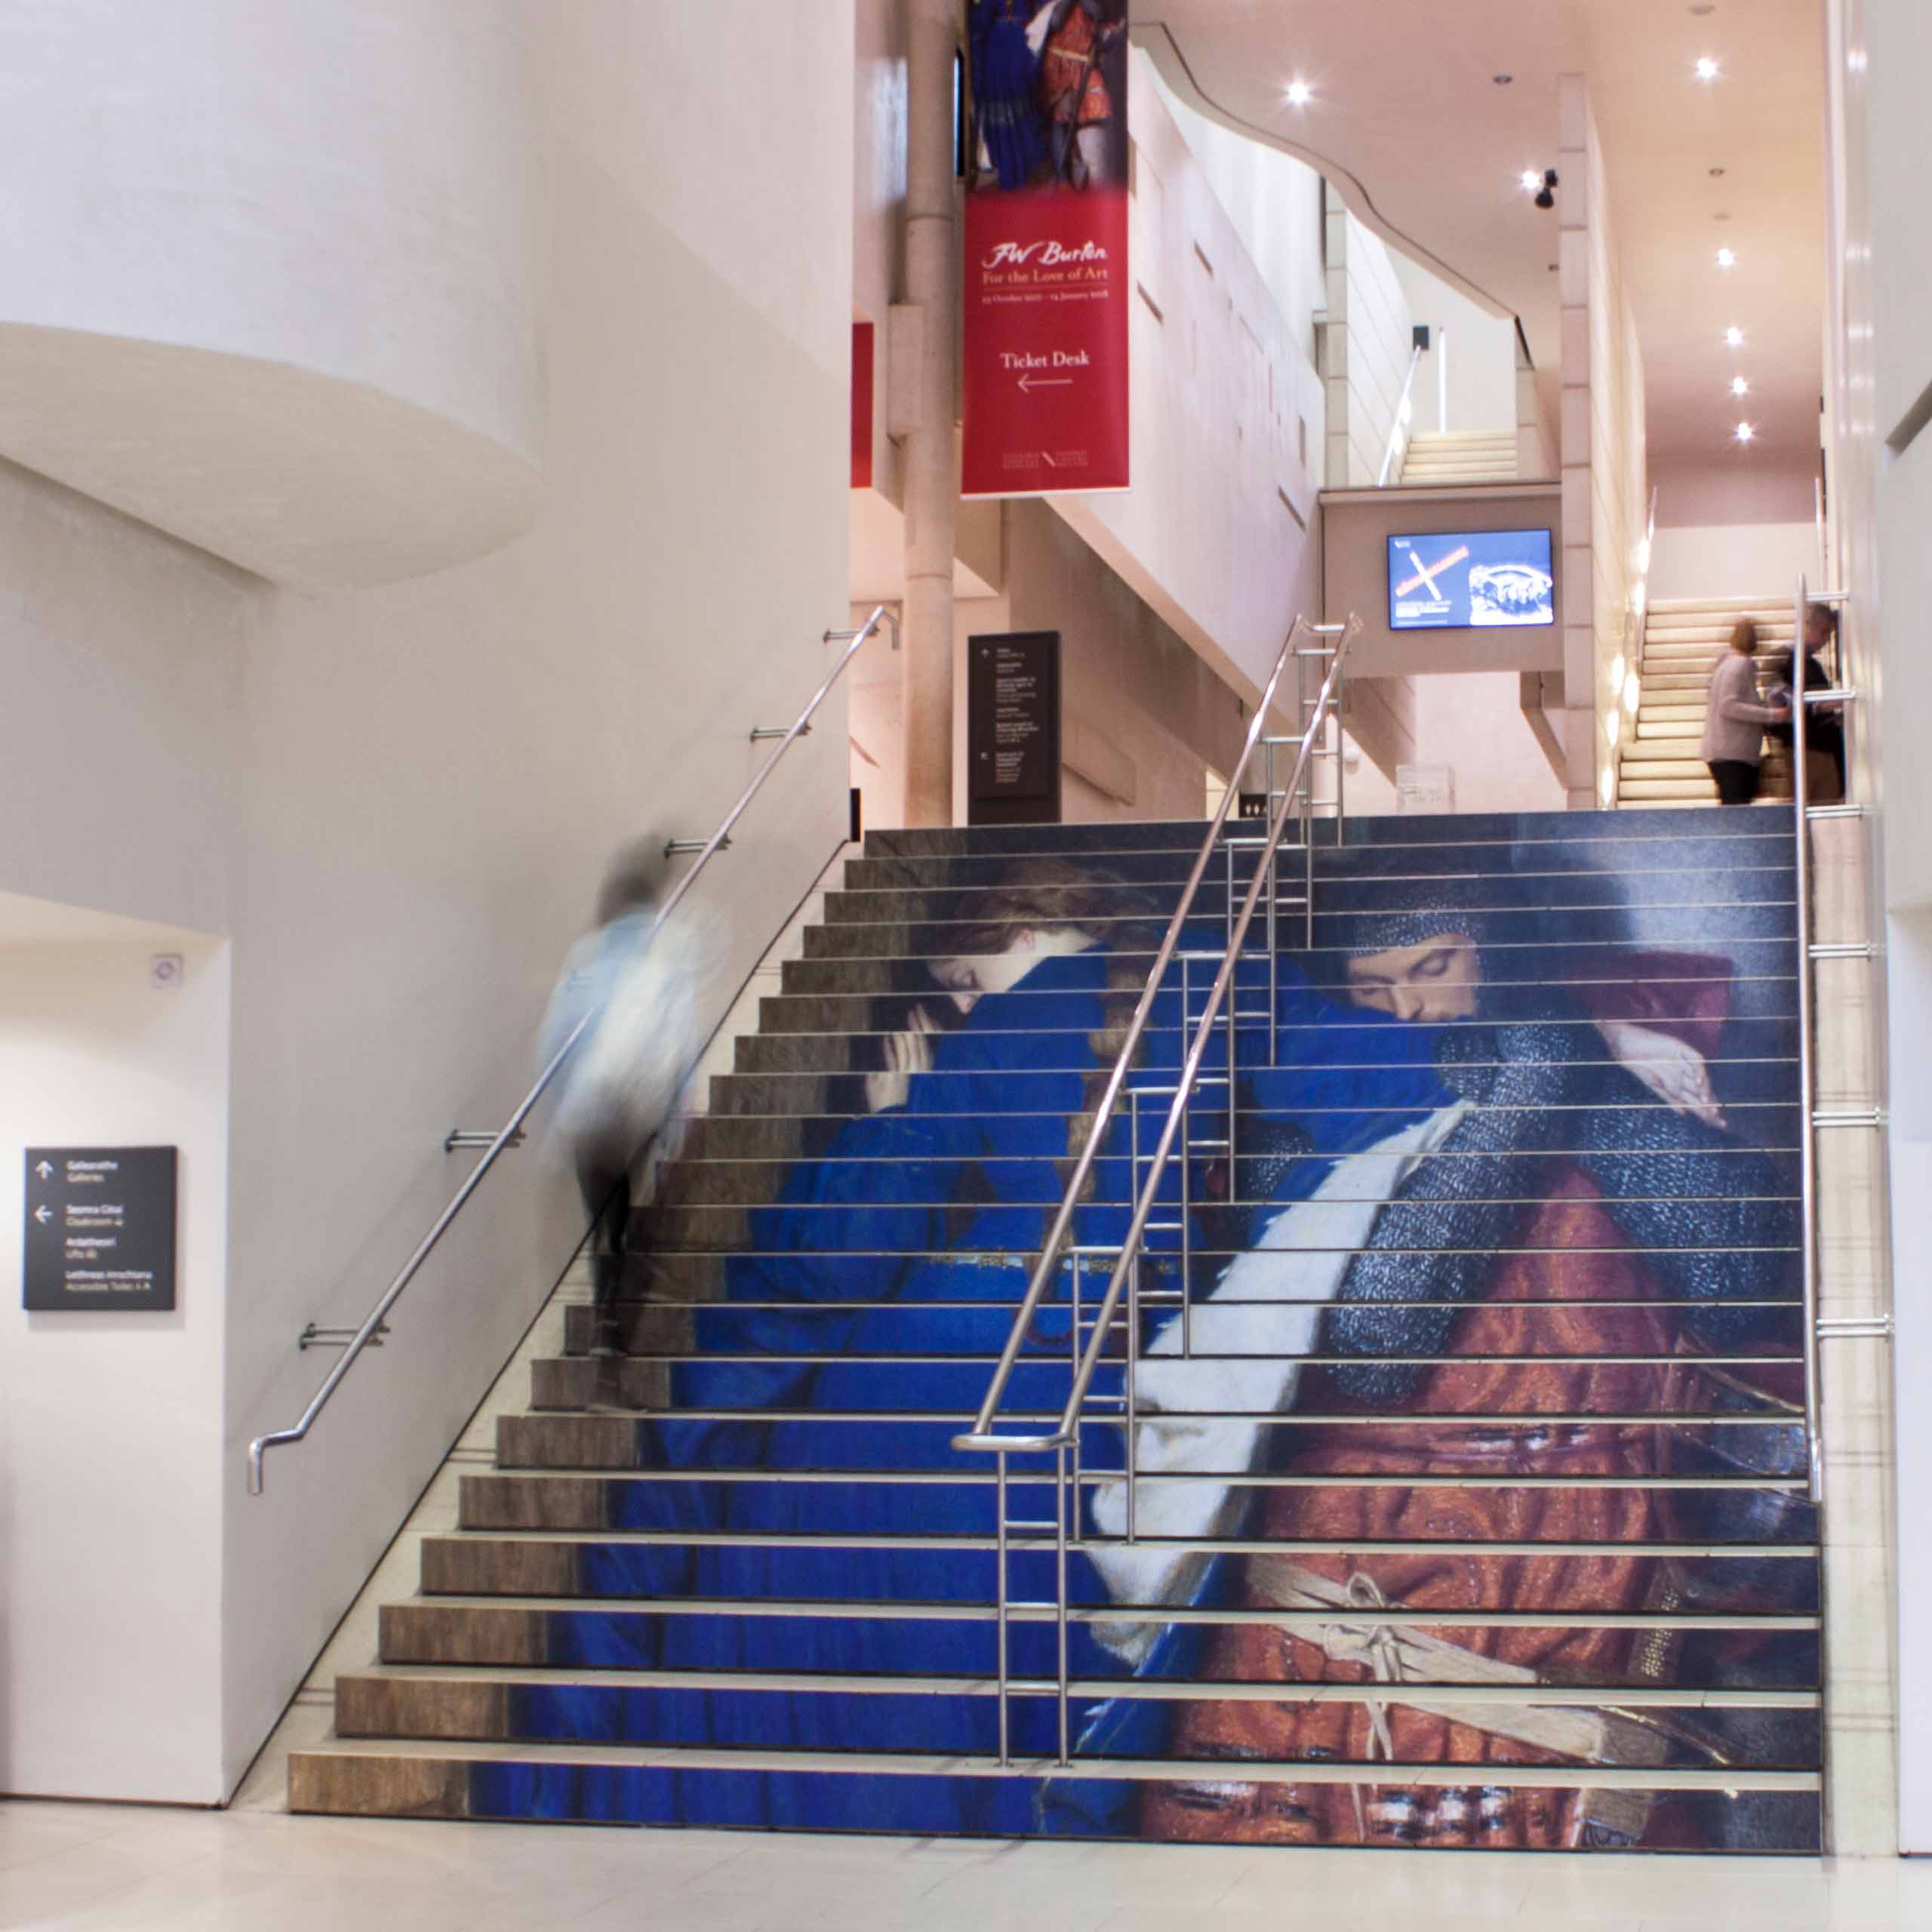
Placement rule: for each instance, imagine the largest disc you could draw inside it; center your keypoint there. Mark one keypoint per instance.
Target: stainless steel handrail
(1809, 950)
(980, 1436)
(1404, 411)
(854, 641)
(1808, 1155)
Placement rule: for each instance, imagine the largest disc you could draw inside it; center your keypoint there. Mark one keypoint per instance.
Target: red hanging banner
(1044, 341)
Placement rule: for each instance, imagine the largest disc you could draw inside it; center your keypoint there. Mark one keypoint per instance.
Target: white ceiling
(1408, 121)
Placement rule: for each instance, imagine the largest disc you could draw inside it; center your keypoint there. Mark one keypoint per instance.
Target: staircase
(1683, 639)
(1461, 456)
(1476, 1517)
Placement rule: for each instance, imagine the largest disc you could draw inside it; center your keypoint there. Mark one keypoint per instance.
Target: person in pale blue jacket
(626, 1003)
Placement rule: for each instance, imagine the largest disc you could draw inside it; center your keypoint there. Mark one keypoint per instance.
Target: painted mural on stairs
(1478, 1448)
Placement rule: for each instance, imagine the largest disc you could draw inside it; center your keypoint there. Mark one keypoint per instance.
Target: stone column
(931, 466)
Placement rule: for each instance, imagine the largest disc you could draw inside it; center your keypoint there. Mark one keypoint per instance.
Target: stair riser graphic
(1734, 885)
(1463, 829)
(922, 1806)
(1532, 928)
(837, 1721)
(1634, 859)
(707, 1542)
(1524, 962)
(936, 1643)
(1493, 1394)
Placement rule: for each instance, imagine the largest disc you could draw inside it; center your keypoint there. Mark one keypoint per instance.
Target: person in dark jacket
(1824, 724)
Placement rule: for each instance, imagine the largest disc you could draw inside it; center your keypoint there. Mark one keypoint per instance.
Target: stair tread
(861, 1763)
(1171, 1688)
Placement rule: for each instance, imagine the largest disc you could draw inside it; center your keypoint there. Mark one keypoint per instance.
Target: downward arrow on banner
(1046, 382)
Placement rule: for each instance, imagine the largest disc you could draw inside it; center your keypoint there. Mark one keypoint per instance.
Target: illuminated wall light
(1707, 68)
(1613, 726)
(1619, 671)
(1300, 94)
(1738, 386)
(1531, 180)
(1632, 693)
(1607, 788)
(1733, 338)
(1744, 432)
(1643, 556)
(1726, 259)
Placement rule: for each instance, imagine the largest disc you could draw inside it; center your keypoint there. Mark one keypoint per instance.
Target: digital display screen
(1470, 579)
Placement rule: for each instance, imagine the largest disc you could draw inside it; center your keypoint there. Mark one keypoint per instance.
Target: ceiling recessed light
(1503, 80)
(1300, 94)
(1707, 68)
(1704, 7)
(1717, 174)
(1531, 180)
(1738, 386)
(1744, 432)
(1726, 259)
(1733, 338)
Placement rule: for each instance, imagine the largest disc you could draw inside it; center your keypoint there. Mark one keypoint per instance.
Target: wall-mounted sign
(1425, 788)
(1013, 728)
(99, 1227)
(1045, 336)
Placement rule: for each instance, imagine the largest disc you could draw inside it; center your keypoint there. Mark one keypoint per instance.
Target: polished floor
(116, 1868)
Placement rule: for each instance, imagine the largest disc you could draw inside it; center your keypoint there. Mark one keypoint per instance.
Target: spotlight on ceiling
(1727, 258)
(1744, 432)
(1738, 386)
(1532, 181)
(1300, 94)
(1707, 68)
(1547, 194)
(1733, 338)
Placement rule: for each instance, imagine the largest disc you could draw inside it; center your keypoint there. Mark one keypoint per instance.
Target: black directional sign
(99, 1227)
(1013, 728)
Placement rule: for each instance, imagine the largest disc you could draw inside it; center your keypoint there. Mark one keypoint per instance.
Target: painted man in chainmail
(1579, 1231)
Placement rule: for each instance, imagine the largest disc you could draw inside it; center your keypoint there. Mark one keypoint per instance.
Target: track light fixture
(1547, 194)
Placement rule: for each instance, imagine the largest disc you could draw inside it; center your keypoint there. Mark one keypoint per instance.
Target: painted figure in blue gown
(1006, 78)
(912, 1236)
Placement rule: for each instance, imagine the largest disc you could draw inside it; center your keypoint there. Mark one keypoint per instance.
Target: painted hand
(1677, 1073)
(906, 1053)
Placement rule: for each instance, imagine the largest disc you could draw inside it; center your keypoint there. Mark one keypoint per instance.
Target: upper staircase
(1684, 638)
(1461, 456)
(1473, 1513)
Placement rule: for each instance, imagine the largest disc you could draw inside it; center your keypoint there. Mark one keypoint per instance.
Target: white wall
(277, 274)
(1367, 347)
(396, 802)
(1738, 529)
(1481, 352)
(110, 1423)
(1605, 492)
(1879, 1756)
(1274, 203)
(1214, 533)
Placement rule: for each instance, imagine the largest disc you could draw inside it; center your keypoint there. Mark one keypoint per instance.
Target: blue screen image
(1470, 579)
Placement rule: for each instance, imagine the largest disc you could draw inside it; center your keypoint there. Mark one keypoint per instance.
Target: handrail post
(854, 641)
(1063, 1222)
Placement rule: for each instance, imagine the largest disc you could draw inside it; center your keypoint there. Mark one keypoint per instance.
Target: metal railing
(1404, 414)
(1124, 1275)
(1812, 1118)
(511, 1133)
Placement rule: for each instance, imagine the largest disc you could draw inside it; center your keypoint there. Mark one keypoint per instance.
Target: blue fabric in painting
(933, 1210)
